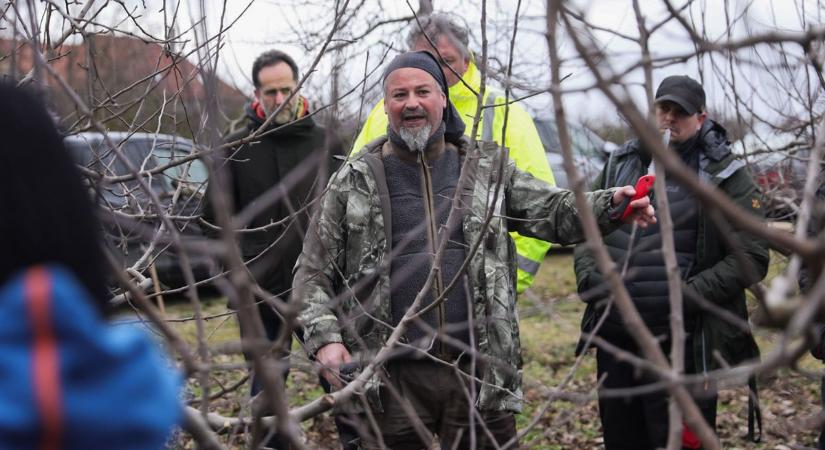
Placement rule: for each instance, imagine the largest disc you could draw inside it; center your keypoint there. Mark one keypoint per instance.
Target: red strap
(45, 361)
(689, 438)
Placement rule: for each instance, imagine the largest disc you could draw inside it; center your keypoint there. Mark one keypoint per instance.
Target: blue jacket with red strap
(71, 381)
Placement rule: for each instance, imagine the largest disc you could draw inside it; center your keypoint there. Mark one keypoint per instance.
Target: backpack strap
(488, 114)
(375, 162)
(45, 358)
(754, 411)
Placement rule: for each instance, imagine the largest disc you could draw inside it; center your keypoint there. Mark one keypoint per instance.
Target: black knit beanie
(454, 126)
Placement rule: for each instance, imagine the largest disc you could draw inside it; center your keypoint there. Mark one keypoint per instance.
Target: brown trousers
(433, 397)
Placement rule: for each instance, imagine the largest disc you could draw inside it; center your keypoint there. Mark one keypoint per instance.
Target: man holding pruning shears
(716, 259)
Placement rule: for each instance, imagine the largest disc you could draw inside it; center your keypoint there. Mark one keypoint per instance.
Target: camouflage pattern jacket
(342, 275)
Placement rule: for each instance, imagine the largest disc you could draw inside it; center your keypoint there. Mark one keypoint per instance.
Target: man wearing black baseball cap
(684, 90)
(709, 263)
(680, 107)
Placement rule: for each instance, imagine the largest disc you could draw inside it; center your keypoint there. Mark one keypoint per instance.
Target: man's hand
(643, 212)
(331, 357)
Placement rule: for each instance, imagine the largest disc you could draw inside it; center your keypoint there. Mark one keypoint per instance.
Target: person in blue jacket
(68, 378)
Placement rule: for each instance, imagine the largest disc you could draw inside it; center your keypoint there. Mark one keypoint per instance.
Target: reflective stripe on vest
(527, 265)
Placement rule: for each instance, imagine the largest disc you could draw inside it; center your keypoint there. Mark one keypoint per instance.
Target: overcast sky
(264, 24)
(267, 24)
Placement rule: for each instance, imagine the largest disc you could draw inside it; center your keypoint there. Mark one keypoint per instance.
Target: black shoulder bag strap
(754, 411)
(488, 114)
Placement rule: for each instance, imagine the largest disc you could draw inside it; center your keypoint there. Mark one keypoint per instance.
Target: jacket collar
(302, 124)
(714, 139)
(432, 152)
(716, 161)
(460, 92)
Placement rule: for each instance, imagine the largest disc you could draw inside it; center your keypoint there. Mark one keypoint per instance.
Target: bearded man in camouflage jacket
(370, 251)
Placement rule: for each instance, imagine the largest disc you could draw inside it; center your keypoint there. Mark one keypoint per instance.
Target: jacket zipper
(704, 360)
(432, 235)
(700, 229)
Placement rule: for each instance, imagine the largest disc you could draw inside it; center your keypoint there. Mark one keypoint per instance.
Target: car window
(139, 152)
(581, 144)
(588, 143)
(98, 155)
(584, 141)
(80, 150)
(145, 152)
(192, 173)
(548, 135)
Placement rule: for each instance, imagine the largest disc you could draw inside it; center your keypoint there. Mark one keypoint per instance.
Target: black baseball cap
(684, 91)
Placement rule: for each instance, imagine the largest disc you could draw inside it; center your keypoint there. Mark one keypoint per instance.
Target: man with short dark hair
(275, 76)
(291, 144)
(372, 246)
(708, 255)
(447, 40)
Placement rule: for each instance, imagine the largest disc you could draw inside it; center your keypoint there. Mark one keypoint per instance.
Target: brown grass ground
(550, 316)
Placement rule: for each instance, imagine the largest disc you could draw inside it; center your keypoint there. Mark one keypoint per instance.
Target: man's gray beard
(416, 139)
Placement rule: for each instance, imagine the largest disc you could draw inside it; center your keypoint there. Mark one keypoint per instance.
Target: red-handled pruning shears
(643, 186)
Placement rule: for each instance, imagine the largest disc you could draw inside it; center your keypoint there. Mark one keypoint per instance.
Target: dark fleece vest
(646, 278)
(412, 251)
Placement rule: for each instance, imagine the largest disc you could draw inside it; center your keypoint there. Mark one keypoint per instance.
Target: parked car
(180, 190)
(590, 152)
(779, 164)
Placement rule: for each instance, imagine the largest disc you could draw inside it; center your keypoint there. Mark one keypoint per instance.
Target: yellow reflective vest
(526, 150)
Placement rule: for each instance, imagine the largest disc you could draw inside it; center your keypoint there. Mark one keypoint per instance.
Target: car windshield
(145, 152)
(193, 172)
(96, 154)
(584, 141)
(548, 135)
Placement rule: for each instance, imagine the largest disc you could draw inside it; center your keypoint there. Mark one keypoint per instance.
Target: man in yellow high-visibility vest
(526, 150)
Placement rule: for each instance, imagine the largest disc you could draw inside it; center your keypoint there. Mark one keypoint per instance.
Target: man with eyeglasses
(716, 259)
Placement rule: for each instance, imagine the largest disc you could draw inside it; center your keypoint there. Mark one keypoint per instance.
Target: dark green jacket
(717, 274)
(809, 272)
